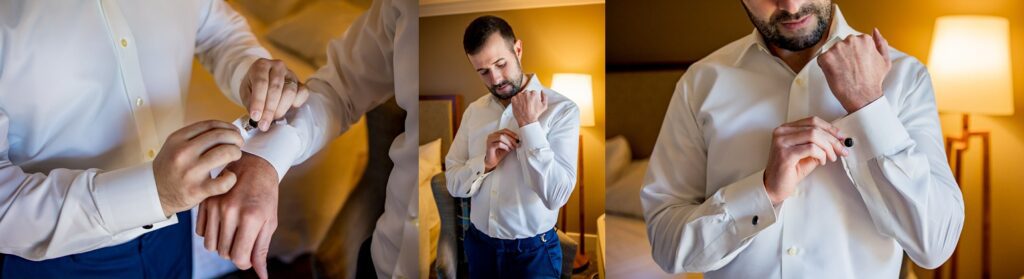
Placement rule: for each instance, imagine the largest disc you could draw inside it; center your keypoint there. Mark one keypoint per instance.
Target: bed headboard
(439, 118)
(641, 97)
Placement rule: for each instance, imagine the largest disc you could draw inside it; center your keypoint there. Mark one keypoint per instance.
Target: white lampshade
(970, 65)
(579, 88)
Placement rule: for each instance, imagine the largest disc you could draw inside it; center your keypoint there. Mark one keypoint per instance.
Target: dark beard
(770, 31)
(516, 83)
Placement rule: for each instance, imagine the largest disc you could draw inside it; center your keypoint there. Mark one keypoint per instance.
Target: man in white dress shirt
(96, 172)
(514, 156)
(805, 149)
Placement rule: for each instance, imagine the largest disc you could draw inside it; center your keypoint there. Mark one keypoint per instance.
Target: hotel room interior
(642, 76)
(559, 38)
(328, 205)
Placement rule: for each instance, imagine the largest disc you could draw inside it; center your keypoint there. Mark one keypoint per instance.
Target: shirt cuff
(127, 198)
(875, 130)
(236, 78)
(479, 170)
(533, 137)
(748, 203)
(280, 145)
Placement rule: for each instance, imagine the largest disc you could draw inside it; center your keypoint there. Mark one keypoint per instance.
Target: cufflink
(250, 124)
(147, 227)
(848, 142)
(754, 220)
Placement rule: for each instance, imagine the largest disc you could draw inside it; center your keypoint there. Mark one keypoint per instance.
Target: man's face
(791, 25)
(497, 63)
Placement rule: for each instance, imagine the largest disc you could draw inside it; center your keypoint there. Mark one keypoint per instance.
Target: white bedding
(628, 251)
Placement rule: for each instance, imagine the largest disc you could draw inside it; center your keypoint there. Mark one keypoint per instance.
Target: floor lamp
(579, 89)
(970, 67)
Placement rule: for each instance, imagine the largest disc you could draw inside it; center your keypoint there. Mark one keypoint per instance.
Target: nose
(791, 6)
(495, 78)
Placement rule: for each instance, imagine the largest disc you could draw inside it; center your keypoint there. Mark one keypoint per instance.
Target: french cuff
(747, 202)
(127, 198)
(533, 136)
(875, 131)
(479, 171)
(239, 74)
(280, 145)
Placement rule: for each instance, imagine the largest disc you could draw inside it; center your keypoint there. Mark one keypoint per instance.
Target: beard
(772, 35)
(515, 85)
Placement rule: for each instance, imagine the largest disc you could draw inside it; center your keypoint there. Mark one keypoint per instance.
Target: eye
(484, 72)
(502, 65)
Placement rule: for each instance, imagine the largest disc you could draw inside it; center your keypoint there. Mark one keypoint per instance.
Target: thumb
(881, 44)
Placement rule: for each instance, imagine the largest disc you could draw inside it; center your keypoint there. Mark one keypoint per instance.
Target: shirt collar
(838, 31)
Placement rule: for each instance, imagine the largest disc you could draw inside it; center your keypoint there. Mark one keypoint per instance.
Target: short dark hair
(481, 28)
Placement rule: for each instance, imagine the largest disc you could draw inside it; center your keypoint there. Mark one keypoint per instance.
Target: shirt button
(138, 102)
(792, 251)
(147, 227)
(848, 142)
(124, 42)
(151, 153)
(800, 81)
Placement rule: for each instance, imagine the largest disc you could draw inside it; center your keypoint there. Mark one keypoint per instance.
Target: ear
(518, 48)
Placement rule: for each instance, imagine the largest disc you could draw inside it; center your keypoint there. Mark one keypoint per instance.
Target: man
(373, 62)
(514, 156)
(96, 172)
(750, 179)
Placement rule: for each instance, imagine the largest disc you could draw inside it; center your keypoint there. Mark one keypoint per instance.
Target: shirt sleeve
(899, 167)
(226, 47)
(463, 174)
(688, 230)
(65, 211)
(548, 156)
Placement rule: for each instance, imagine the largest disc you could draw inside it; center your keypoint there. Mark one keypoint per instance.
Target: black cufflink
(754, 221)
(147, 227)
(848, 142)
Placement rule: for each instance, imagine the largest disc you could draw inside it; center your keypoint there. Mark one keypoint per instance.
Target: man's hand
(240, 223)
(182, 169)
(499, 144)
(855, 69)
(797, 149)
(528, 105)
(269, 90)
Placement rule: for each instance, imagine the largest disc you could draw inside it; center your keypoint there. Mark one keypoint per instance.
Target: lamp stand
(955, 148)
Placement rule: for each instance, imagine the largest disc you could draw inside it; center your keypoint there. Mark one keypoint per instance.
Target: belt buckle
(543, 237)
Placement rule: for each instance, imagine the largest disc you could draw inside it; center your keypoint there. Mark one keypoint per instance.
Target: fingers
(220, 155)
(262, 248)
(212, 227)
(301, 96)
(815, 121)
(245, 238)
(220, 185)
(795, 154)
(228, 224)
(277, 75)
(195, 129)
(201, 219)
(259, 82)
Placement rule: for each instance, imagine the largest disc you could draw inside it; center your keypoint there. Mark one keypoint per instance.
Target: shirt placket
(793, 251)
(503, 122)
(127, 56)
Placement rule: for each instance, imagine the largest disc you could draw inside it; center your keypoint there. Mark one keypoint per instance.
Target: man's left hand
(528, 105)
(855, 68)
(240, 223)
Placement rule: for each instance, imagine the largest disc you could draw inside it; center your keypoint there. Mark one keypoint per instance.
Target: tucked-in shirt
(521, 196)
(704, 198)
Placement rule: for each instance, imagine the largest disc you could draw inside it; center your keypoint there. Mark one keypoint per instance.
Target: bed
(644, 96)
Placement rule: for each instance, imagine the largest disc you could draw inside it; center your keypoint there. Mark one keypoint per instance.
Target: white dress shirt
(521, 196)
(375, 60)
(89, 91)
(704, 199)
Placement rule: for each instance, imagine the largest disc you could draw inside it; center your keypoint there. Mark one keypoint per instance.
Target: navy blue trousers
(164, 253)
(539, 256)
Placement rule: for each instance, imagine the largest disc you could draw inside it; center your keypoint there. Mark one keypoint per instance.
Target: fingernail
(256, 115)
(264, 126)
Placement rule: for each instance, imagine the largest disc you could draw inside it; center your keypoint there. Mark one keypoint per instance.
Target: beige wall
(695, 28)
(562, 39)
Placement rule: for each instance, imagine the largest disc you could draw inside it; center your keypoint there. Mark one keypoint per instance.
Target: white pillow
(623, 196)
(429, 217)
(617, 157)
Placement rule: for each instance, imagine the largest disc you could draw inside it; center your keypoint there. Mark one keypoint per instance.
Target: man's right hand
(797, 149)
(182, 169)
(499, 144)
